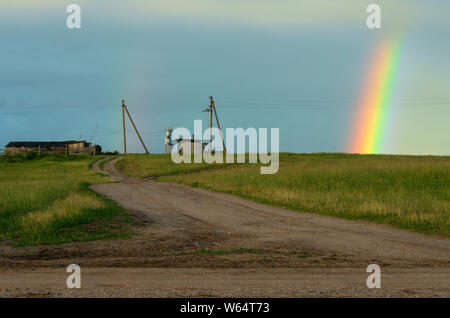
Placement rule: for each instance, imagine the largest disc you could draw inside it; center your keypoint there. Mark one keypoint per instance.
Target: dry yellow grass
(61, 211)
(46, 201)
(411, 192)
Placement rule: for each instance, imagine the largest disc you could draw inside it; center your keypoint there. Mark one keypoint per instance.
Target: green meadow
(156, 165)
(46, 200)
(410, 192)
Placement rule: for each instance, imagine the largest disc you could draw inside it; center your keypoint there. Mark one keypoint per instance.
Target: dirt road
(194, 242)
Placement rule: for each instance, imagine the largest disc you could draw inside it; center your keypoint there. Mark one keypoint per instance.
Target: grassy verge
(46, 200)
(156, 165)
(411, 192)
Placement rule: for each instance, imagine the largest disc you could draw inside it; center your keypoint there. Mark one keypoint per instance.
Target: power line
(323, 100)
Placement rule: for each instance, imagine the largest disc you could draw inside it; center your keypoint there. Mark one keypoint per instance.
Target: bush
(109, 153)
(31, 155)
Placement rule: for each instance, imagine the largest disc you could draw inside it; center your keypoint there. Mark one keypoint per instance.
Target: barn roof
(43, 144)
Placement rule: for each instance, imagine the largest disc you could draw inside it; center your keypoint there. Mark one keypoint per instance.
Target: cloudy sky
(292, 64)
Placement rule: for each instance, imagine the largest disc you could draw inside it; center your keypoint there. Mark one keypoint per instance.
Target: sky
(300, 66)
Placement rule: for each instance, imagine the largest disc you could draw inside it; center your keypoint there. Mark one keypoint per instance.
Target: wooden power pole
(211, 109)
(217, 121)
(124, 131)
(125, 109)
(210, 122)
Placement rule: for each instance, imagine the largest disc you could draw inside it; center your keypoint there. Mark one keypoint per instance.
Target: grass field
(156, 165)
(46, 200)
(411, 192)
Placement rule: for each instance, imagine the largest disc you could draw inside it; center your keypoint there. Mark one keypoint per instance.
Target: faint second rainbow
(368, 134)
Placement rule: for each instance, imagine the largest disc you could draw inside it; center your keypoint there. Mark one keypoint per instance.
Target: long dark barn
(56, 147)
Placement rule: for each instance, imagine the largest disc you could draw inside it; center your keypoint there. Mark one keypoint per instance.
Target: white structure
(195, 146)
(168, 140)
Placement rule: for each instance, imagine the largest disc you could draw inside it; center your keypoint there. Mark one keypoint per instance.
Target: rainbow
(372, 115)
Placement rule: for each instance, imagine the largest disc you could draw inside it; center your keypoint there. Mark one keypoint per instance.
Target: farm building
(195, 146)
(55, 147)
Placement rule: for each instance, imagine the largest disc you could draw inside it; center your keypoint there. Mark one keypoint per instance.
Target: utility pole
(124, 133)
(124, 107)
(211, 109)
(213, 106)
(210, 121)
